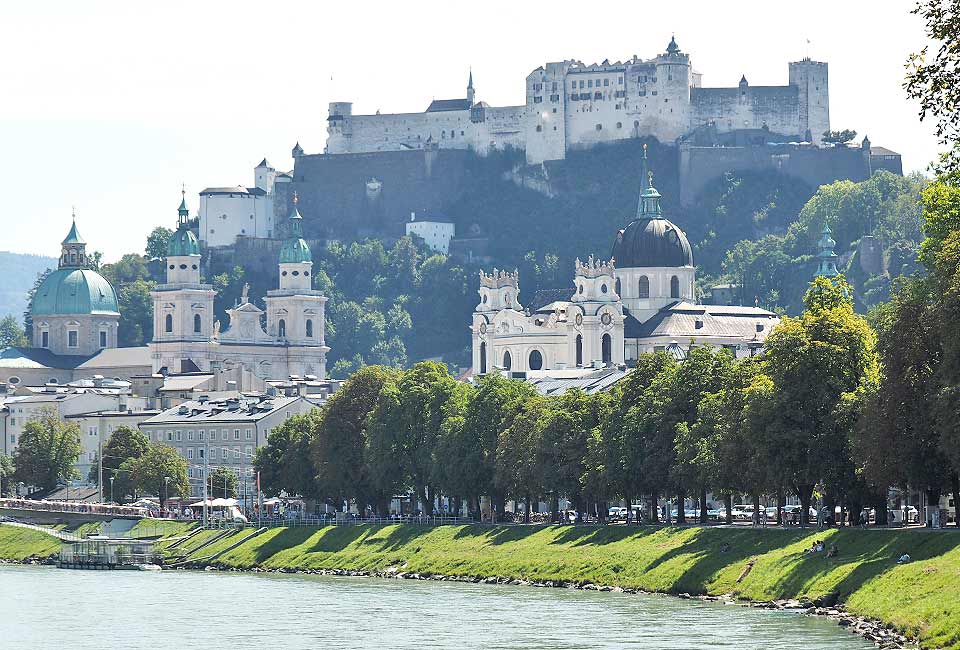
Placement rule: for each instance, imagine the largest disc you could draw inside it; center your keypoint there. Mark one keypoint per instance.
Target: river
(48, 608)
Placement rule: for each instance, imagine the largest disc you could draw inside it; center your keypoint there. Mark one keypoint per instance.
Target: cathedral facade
(285, 339)
(641, 300)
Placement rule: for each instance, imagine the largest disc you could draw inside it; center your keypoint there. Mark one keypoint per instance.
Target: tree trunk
(955, 480)
(756, 508)
(805, 493)
(880, 504)
(654, 508)
(526, 510)
(554, 508)
(703, 505)
(681, 515)
(781, 504)
(830, 503)
(422, 498)
(728, 504)
(933, 501)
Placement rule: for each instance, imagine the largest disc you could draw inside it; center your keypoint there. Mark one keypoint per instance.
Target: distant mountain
(19, 271)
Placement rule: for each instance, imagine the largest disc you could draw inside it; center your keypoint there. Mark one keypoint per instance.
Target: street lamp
(166, 490)
(111, 488)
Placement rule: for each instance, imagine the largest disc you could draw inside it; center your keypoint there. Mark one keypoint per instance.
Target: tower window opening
(579, 350)
(644, 287)
(483, 358)
(197, 323)
(536, 360)
(674, 287)
(168, 323)
(309, 328)
(606, 348)
(282, 328)
(507, 361)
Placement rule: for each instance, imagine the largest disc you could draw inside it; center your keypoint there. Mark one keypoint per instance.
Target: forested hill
(19, 271)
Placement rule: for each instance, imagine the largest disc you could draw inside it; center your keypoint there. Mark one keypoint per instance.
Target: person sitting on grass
(833, 551)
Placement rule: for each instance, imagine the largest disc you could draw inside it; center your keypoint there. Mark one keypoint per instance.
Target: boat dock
(105, 553)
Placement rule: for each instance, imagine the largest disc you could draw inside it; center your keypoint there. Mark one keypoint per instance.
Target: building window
(674, 287)
(606, 348)
(579, 351)
(190, 453)
(196, 323)
(169, 436)
(103, 339)
(73, 339)
(190, 435)
(44, 339)
(483, 358)
(200, 452)
(179, 436)
(644, 287)
(618, 286)
(236, 434)
(506, 360)
(236, 454)
(225, 435)
(248, 450)
(536, 360)
(282, 328)
(168, 323)
(599, 127)
(309, 329)
(249, 434)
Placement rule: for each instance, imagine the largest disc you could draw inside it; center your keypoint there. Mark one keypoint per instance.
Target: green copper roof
(295, 249)
(827, 266)
(73, 237)
(183, 210)
(649, 204)
(183, 242)
(75, 291)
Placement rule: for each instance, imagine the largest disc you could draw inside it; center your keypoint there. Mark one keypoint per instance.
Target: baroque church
(640, 300)
(75, 315)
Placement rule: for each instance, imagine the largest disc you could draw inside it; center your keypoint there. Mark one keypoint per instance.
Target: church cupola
(183, 249)
(296, 261)
(73, 253)
(649, 204)
(827, 266)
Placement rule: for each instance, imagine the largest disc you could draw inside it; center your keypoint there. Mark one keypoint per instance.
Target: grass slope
(921, 598)
(18, 544)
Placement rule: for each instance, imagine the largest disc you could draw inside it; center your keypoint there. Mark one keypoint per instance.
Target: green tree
(814, 362)
(129, 268)
(7, 470)
(222, 482)
(517, 472)
(161, 470)
(571, 457)
(47, 451)
(157, 242)
(11, 334)
(839, 137)
(125, 444)
(284, 463)
(136, 314)
(337, 450)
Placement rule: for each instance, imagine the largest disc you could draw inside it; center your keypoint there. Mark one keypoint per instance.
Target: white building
(95, 430)
(641, 300)
(435, 234)
(571, 104)
(221, 432)
(230, 212)
(187, 339)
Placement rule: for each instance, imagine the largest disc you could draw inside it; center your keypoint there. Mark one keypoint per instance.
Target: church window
(654, 93)
(580, 289)
(644, 287)
(196, 323)
(674, 287)
(483, 358)
(536, 360)
(618, 286)
(296, 272)
(194, 267)
(579, 352)
(281, 328)
(103, 339)
(603, 288)
(283, 273)
(183, 267)
(168, 323)
(619, 124)
(172, 266)
(599, 127)
(539, 128)
(636, 124)
(73, 337)
(44, 339)
(606, 82)
(507, 361)
(309, 328)
(606, 348)
(306, 273)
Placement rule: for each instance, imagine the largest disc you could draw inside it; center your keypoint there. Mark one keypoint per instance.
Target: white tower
(595, 316)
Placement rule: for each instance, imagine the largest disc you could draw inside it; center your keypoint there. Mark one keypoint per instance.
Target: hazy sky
(110, 106)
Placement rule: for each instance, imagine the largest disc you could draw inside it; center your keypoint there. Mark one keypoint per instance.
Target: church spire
(827, 267)
(73, 251)
(470, 92)
(183, 211)
(648, 207)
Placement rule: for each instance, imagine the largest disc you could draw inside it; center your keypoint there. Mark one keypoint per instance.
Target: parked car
(617, 513)
(742, 512)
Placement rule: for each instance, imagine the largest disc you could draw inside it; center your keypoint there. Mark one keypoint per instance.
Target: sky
(109, 107)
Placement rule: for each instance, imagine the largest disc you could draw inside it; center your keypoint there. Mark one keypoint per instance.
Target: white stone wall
(659, 279)
(224, 217)
(435, 234)
(55, 329)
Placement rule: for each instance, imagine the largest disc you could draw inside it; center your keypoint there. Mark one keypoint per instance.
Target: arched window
(483, 358)
(197, 324)
(606, 348)
(618, 286)
(282, 328)
(579, 350)
(644, 287)
(168, 323)
(674, 287)
(506, 360)
(536, 360)
(309, 328)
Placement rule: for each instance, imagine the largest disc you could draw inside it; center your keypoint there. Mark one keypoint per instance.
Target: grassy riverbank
(17, 544)
(921, 598)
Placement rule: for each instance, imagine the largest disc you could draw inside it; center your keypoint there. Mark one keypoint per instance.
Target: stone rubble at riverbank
(883, 635)
(48, 561)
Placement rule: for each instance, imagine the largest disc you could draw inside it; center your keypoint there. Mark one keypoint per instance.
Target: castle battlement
(499, 279)
(570, 104)
(594, 268)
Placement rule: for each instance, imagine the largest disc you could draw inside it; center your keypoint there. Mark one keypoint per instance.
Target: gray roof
(593, 382)
(119, 357)
(680, 321)
(185, 382)
(438, 105)
(245, 408)
(238, 189)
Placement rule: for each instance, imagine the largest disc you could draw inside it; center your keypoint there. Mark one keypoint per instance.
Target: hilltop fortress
(570, 104)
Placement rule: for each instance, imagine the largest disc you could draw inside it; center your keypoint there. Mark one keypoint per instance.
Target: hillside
(19, 271)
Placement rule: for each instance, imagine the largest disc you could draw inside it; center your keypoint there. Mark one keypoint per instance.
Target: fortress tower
(810, 78)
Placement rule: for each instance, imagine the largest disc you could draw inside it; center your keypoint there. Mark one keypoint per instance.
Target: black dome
(651, 242)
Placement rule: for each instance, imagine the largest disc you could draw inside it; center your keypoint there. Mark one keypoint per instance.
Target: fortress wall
(335, 201)
(815, 166)
(777, 107)
(396, 132)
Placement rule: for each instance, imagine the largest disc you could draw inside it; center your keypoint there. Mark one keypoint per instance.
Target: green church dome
(295, 250)
(183, 242)
(75, 291)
